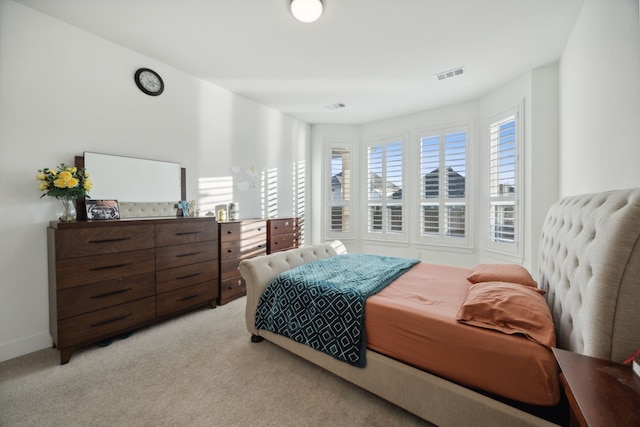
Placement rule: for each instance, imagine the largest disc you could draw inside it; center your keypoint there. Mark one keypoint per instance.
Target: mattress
(413, 320)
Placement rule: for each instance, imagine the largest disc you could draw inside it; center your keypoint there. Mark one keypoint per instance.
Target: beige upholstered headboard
(147, 209)
(590, 269)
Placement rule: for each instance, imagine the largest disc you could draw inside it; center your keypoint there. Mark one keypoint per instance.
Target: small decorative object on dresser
(102, 209)
(67, 184)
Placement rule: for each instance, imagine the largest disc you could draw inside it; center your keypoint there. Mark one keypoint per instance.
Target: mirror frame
(79, 162)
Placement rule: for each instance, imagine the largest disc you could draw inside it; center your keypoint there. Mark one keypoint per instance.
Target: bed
(589, 270)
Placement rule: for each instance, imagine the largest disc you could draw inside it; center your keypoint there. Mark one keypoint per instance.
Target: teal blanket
(321, 303)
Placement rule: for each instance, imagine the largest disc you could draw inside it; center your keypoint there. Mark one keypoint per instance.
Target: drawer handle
(229, 232)
(107, 267)
(188, 297)
(184, 233)
(229, 250)
(117, 239)
(188, 276)
(113, 319)
(108, 294)
(188, 254)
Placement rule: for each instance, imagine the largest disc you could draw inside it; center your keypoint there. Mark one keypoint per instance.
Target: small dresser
(283, 234)
(110, 277)
(238, 240)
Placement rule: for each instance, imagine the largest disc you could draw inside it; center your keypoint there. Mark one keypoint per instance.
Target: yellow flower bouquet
(65, 183)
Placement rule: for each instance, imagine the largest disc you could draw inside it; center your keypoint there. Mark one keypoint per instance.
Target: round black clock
(149, 81)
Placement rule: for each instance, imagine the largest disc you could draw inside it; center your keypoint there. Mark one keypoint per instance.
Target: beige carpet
(199, 369)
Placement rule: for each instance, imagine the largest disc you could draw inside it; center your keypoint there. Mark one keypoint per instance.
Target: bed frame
(589, 266)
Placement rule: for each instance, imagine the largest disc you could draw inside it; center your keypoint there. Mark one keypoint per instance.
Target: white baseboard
(22, 346)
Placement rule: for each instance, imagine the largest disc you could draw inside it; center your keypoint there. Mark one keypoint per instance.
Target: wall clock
(149, 81)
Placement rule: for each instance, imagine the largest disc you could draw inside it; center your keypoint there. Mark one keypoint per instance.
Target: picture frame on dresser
(101, 209)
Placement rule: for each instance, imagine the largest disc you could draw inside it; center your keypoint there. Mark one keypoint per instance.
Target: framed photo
(102, 209)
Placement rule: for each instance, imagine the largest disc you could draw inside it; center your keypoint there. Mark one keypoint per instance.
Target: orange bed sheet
(413, 320)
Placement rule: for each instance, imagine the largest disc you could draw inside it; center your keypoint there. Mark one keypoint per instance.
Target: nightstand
(600, 392)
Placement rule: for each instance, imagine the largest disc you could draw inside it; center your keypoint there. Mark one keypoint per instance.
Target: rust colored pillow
(512, 273)
(511, 309)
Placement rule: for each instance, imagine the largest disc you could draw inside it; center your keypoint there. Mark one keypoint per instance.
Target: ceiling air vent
(337, 106)
(451, 73)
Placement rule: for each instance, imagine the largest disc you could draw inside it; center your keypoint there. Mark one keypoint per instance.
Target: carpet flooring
(198, 369)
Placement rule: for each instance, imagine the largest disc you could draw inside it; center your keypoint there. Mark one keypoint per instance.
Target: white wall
(537, 91)
(64, 91)
(600, 99)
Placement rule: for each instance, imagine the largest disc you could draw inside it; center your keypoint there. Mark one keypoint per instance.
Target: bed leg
(256, 338)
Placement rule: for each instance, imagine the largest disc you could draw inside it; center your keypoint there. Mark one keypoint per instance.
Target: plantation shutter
(503, 183)
(340, 195)
(443, 186)
(385, 178)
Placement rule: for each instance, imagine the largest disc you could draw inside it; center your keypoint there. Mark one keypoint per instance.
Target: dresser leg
(65, 355)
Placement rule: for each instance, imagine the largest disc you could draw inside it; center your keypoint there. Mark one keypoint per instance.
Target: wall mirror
(131, 179)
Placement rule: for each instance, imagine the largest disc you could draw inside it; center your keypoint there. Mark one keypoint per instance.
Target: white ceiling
(379, 57)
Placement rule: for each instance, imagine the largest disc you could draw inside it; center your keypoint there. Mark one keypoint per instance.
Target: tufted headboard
(147, 209)
(589, 265)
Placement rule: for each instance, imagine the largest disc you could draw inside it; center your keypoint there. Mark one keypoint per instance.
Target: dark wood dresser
(107, 278)
(283, 234)
(238, 240)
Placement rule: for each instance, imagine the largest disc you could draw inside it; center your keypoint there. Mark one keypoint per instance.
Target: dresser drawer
(82, 242)
(179, 277)
(98, 268)
(175, 256)
(106, 322)
(281, 226)
(88, 298)
(231, 289)
(186, 232)
(185, 298)
(282, 242)
(229, 269)
(241, 230)
(245, 248)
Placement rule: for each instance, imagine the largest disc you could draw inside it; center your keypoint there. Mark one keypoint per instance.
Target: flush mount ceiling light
(306, 10)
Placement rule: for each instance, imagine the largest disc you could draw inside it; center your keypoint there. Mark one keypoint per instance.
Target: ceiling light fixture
(306, 10)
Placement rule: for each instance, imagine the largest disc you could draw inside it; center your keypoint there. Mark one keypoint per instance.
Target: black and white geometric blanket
(321, 303)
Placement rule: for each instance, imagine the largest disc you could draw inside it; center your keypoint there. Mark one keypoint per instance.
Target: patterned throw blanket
(321, 303)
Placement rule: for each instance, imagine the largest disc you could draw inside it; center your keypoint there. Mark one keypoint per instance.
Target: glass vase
(67, 209)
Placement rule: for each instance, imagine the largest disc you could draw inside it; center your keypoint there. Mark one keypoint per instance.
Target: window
(299, 184)
(442, 176)
(385, 216)
(340, 183)
(504, 187)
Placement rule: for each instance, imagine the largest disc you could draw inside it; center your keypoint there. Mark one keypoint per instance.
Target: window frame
(516, 247)
(330, 202)
(385, 235)
(442, 201)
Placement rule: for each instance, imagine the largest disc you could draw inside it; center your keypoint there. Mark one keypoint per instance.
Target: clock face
(149, 81)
